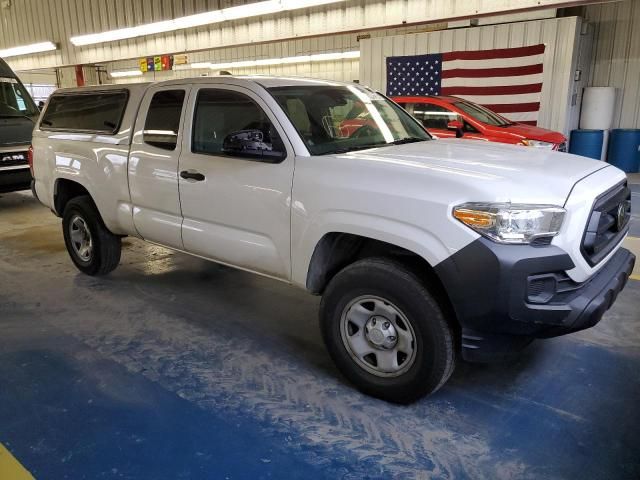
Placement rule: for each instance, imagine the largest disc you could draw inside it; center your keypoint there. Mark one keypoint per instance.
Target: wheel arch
(336, 250)
(64, 190)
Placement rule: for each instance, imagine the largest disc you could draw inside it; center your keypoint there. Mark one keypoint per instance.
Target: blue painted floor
(175, 368)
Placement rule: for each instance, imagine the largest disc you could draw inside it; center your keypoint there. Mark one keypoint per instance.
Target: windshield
(482, 114)
(338, 119)
(15, 101)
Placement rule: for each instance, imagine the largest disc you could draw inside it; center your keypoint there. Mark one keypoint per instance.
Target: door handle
(192, 175)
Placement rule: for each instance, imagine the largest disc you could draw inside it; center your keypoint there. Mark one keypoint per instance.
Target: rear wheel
(386, 332)
(92, 247)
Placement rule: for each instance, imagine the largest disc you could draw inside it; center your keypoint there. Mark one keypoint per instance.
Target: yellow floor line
(633, 244)
(10, 468)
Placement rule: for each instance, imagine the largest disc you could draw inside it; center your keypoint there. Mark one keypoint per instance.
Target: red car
(455, 117)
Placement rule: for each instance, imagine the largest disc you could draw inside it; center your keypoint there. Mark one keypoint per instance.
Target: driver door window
(433, 116)
(222, 112)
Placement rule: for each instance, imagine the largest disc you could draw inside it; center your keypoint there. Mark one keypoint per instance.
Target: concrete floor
(172, 368)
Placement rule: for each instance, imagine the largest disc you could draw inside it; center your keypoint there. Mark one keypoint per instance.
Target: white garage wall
(43, 77)
(346, 70)
(616, 56)
(560, 35)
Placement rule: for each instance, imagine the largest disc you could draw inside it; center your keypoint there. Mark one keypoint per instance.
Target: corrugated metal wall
(560, 36)
(30, 21)
(616, 56)
(346, 70)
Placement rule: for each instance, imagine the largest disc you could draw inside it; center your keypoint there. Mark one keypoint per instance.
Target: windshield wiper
(357, 147)
(408, 140)
(378, 145)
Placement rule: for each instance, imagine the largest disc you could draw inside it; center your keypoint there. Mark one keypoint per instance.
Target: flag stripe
(513, 107)
(493, 90)
(483, 82)
(492, 72)
(522, 116)
(496, 53)
(503, 99)
(494, 62)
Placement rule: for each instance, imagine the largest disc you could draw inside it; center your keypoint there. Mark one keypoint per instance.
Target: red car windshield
(482, 114)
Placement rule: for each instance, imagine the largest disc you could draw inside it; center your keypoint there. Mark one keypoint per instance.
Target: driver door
(236, 210)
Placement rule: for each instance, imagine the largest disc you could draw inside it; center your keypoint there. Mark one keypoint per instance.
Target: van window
(163, 119)
(14, 99)
(99, 112)
(221, 112)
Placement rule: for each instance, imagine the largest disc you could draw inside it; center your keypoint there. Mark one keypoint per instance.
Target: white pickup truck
(421, 248)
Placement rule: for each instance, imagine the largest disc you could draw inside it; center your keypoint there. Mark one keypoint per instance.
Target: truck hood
(15, 131)
(485, 171)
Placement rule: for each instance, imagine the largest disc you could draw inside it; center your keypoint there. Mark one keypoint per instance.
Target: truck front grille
(608, 223)
(10, 159)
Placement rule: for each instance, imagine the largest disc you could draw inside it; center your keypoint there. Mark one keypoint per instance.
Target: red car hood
(522, 131)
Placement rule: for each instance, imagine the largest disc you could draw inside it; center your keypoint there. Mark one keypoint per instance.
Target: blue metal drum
(587, 143)
(624, 149)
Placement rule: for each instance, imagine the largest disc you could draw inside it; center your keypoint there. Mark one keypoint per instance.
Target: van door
(236, 209)
(153, 165)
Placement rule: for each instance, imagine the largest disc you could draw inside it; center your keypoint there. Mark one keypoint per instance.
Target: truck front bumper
(15, 179)
(504, 296)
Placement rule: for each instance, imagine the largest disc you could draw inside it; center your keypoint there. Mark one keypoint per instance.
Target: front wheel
(386, 332)
(92, 247)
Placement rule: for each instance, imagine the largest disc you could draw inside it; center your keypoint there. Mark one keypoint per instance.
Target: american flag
(506, 80)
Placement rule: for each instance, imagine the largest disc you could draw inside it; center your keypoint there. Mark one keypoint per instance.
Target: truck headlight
(538, 144)
(511, 222)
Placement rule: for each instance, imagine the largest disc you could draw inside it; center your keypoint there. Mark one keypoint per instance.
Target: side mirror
(165, 139)
(456, 125)
(252, 144)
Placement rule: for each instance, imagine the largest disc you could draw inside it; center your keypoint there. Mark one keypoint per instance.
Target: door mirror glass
(252, 144)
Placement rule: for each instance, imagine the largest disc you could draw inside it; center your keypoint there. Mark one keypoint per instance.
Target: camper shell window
(95, 112)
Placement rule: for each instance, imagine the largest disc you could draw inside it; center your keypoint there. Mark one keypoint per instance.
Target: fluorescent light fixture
(28, 49)
(198, 65)
(126, 73)
(207, 18)
(318, 57)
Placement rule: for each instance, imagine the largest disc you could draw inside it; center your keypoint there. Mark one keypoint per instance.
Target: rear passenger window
(98, 112)
(221, 112)
(163, 119)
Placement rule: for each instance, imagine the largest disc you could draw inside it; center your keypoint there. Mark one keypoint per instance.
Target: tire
(103, 254)
(376, 290)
